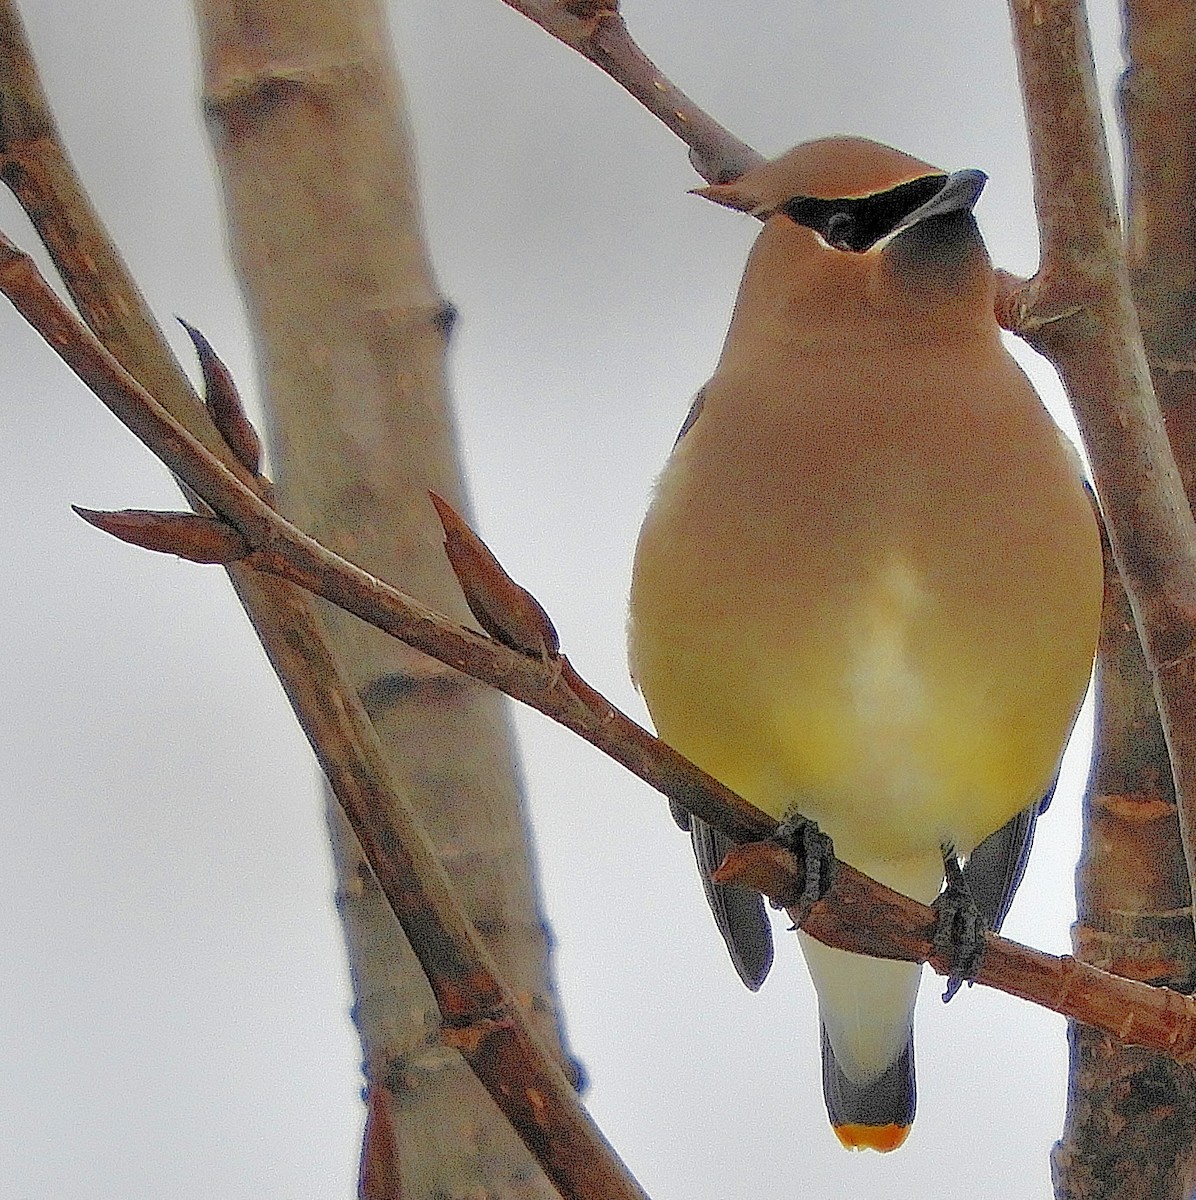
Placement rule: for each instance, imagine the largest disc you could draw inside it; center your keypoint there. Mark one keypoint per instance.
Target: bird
(867, 588)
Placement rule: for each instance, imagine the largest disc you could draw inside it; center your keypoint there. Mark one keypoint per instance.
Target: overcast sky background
(173, 991)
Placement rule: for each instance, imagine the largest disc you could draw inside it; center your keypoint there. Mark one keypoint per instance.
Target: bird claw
(959, 933)
(815, 851)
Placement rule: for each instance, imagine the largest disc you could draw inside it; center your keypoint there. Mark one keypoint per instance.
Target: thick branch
(305, 109)
(858, 914)
(1130, 1114)
(1079, 312)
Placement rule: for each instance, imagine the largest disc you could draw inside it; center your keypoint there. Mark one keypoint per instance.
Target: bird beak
(958, 194)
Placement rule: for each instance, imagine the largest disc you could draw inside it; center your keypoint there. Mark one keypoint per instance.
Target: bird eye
(840, 231)
(856, 223)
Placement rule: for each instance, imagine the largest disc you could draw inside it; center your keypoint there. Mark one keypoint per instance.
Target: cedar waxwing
(868, 586)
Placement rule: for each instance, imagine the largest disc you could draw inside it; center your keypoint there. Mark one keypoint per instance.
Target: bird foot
(959, 934)
(815, 851)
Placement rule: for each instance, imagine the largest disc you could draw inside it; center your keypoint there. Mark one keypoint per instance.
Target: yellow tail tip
(871, 1137)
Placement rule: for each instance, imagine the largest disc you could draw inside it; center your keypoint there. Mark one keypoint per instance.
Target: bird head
(844, 208)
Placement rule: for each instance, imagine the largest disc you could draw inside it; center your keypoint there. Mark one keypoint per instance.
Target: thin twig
(857, 914)
(595, 29)
(1078, 310)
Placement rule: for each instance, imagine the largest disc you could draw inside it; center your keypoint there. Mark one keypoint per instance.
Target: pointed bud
(224, 403)
(196, 538)
(507, 612)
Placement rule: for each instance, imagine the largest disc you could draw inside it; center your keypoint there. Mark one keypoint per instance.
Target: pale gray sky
(173, 995)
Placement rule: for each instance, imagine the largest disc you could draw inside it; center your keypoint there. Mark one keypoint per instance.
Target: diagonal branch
(595, 29)
(857, 913)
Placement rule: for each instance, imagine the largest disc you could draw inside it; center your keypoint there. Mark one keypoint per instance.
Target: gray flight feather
(739, 912)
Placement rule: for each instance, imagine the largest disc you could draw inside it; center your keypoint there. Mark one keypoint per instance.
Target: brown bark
(306, 115)
(1158, 110)
(1131, 1122)
(1130, 1116)
(1079, 311)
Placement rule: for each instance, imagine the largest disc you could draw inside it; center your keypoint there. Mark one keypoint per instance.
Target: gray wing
(997, 865)
(995, 868)
(739, 912)
(695, 410)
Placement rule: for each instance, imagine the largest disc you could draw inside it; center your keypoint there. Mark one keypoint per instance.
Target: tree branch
(595, 29)
(1130, 1113)
(542, 1106)
(857, 914)
(483, 1017)
(307, 119)
(1131, 1116)
(1078, 310)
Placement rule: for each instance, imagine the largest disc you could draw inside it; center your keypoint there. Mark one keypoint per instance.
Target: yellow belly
(894, 730)
(895, 653)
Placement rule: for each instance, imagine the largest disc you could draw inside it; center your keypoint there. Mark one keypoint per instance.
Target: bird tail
(866, 1011)
(876, 1114)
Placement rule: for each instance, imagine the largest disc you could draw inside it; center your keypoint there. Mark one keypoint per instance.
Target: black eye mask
(856, 224)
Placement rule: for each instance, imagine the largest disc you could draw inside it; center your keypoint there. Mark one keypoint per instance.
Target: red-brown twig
(595, 29)
(857, 914)
(861, 915)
